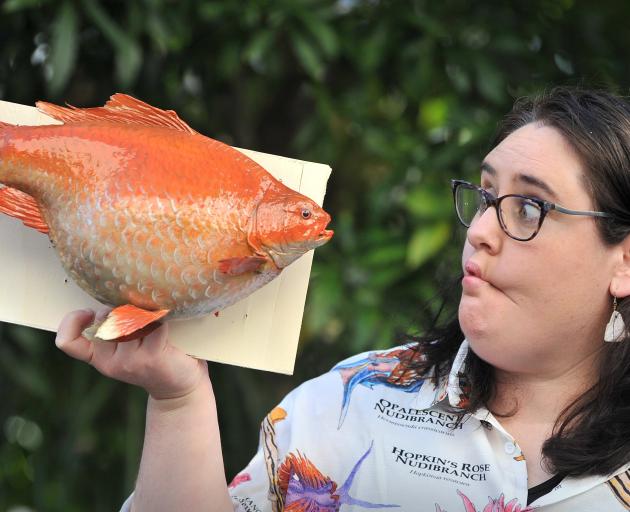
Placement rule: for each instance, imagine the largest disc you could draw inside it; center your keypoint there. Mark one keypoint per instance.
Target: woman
(519, 402)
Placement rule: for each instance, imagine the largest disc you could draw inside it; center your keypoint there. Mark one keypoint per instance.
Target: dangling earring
(615, 327)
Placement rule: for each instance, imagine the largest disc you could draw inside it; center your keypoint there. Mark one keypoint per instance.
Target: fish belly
(155, 254)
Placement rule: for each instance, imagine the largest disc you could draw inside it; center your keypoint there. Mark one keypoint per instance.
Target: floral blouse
(373, 435)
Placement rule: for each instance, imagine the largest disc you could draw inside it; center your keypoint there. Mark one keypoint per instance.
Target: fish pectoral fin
(20, 205)
(238, 266)
(120, 109)
(126, 323)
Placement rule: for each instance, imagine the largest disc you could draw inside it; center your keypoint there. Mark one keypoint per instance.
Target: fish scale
(149, 216)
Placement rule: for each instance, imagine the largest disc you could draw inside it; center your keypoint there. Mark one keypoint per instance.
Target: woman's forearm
(182, 465)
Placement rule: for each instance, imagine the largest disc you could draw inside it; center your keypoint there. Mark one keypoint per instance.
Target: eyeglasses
(519, 216)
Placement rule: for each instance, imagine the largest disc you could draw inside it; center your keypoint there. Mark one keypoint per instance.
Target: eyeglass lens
(520, 216)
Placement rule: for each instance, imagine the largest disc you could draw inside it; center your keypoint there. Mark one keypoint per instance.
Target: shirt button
(509, 448)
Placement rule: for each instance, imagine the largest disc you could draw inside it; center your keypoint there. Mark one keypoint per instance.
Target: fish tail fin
(14, 202)
(20, 205)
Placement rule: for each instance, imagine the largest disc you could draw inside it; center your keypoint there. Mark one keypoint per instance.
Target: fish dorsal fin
(5, 125)
(20, 205)
(120, 109)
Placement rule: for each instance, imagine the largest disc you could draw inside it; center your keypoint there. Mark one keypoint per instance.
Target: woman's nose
(485, 231)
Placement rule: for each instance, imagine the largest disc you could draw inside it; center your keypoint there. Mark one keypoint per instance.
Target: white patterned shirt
(370, 434)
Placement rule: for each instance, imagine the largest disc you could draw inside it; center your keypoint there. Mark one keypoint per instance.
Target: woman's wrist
(201, 393)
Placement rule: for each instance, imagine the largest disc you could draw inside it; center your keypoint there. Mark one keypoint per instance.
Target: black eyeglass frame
(489, 200)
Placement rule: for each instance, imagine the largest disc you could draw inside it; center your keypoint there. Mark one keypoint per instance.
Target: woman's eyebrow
(524, 178)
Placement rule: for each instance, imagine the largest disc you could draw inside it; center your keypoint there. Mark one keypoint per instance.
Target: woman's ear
(620, 283)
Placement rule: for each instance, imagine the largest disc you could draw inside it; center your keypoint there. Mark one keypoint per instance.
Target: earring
(615, 327)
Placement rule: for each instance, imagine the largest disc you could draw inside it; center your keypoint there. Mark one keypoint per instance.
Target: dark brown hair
(592, 436)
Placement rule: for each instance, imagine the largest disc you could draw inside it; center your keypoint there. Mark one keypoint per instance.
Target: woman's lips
(470, 283)
(473, 277)
(472, 269)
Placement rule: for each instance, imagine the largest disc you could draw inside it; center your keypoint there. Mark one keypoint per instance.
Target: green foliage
(398, 97)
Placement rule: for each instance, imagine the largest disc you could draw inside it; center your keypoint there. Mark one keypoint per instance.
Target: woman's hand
(163, 370)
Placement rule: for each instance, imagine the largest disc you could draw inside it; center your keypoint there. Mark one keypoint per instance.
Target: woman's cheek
(467, 252)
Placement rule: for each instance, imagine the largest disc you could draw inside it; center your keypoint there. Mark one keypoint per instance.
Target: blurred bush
(397, 96)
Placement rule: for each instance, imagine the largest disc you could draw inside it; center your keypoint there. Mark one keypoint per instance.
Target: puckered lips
(473, 276)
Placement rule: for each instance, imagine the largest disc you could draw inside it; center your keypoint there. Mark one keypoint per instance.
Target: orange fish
(149, 216)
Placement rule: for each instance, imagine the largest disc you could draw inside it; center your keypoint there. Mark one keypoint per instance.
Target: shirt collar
(453, 390)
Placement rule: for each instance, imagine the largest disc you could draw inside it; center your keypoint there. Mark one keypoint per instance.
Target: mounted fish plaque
(158, 221)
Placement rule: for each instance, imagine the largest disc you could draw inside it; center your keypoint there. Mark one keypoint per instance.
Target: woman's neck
(528, 406)
(543, 396)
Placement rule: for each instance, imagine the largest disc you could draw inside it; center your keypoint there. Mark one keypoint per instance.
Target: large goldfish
(149, 216)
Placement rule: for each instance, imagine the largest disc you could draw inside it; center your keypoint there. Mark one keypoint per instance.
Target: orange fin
(20, 205)
(5, 125)
(120, 109)
(238, 266)
(126, 322)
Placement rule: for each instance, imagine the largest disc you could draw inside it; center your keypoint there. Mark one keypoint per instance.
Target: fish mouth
(326, 234)
(323, 237)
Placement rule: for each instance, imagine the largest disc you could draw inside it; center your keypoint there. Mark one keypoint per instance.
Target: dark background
(397, 96)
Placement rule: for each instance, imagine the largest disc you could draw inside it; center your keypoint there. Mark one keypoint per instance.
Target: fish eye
(306, 213)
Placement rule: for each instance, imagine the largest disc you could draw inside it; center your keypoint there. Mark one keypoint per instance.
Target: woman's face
(541, 305)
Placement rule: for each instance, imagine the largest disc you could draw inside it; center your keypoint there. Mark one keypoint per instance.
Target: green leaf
(490, 81)
(392, 254)
(211, 11)
(128, 53)
(26, 377)
(17, 5)
(374, 49)
(434, 112)
(429, 203)
(308, 56)
(323, 33)
(229, 59)
(64, 46)
(426, 242)
(259, 46)
(365, 329)
(325, 295)
(386, 276)
(158, 31)
(433, 27)
(459, 77)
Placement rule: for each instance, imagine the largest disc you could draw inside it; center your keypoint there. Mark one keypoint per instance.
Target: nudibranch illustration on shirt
(393, 369)
(297, 485)
(494, 505)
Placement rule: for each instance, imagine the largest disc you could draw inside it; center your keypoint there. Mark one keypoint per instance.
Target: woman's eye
(528, 211)
(490, 189)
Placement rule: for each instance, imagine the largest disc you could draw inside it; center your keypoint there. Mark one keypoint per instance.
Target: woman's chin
(473, 320)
